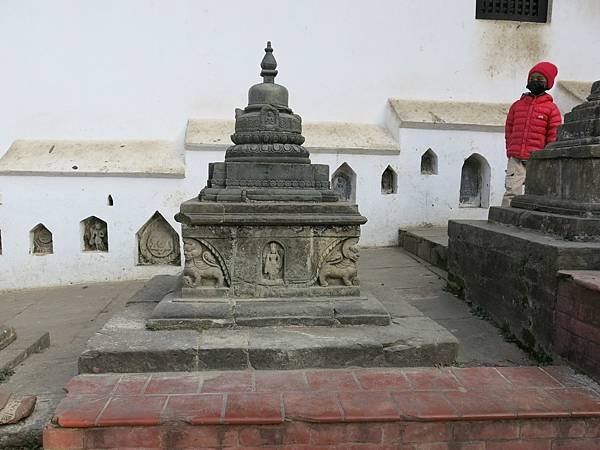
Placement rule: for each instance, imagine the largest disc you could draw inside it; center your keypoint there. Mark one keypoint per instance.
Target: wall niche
(94, 234)
(475, 182)
(343, 182)
(158, 243)
(429, 163)
(389, 181)
(41, 240)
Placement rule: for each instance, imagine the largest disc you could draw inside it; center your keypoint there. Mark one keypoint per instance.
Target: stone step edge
(20, 349)
(546, 433)
(425, 248)
(589, 279)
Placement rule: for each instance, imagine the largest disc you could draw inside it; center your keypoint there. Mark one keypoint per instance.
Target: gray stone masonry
(266, 242)
(508, 265)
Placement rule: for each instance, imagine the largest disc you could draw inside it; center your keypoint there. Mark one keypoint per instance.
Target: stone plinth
(509, 264)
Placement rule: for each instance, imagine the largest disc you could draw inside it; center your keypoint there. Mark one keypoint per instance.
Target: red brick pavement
(451, 408)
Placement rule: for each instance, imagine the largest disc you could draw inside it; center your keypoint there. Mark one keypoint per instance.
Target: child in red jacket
(531, 124)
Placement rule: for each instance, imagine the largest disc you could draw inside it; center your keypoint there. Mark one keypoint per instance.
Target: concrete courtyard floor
(406, 286)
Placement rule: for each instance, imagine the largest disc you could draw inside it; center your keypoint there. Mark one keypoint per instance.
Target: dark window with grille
(521, 10)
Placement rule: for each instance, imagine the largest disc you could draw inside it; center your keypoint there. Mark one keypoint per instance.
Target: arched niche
(475, 182)
(41, 240)
(94, 235)
(158, 243)
(389, 181)
(343, 182)
(429, 163)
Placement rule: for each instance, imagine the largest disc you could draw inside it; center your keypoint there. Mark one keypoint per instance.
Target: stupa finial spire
(268, 65)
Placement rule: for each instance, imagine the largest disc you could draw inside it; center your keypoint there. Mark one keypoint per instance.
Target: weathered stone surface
(125, 345)
(179, 313)
(569, 227)
(430, 245)
(511, 274)
(22, 347)
(7, 335)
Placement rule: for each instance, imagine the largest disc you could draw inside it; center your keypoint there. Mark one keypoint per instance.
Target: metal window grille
(520, 10)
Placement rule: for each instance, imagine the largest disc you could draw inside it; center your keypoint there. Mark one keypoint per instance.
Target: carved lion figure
(200, 264)
(341, 264)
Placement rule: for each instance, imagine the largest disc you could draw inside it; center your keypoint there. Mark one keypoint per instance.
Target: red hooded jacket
(531, 124)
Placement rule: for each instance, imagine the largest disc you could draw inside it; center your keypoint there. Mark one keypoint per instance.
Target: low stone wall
(511, 274)
(577, 332)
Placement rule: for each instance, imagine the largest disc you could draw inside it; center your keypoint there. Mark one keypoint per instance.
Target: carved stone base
(177, 313)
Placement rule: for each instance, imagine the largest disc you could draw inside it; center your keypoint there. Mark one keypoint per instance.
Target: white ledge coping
(579, 89)
(321, 137)
(477, 116)
(127, 158)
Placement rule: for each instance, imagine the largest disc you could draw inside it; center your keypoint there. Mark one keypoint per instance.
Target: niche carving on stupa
(94, 235)
(41, 240)
(158, 243)
(204, 267)
(269, 117)
(340, 265)
(272, 262)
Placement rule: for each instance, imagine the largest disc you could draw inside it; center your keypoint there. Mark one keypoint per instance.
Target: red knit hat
(547, 69)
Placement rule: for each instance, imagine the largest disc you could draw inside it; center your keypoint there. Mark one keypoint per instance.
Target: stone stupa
(271, 275)
(267, 242)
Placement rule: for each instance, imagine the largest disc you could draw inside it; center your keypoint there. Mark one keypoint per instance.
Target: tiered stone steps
(475, 408)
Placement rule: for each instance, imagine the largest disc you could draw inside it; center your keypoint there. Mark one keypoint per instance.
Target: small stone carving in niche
(202, 268)
(158, 243)
(272, 262)
(388, 181)
(429, 164)
(343, 182)
(95, 235)
(269, 117)
(41, 240)
(474, 182)
(340, 265)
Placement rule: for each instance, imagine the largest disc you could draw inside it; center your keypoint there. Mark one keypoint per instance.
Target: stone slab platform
(475, 408)
(193, 313)
(428, 243)
(125, 345)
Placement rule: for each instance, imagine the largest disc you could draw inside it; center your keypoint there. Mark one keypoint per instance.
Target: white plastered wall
(115, 69)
